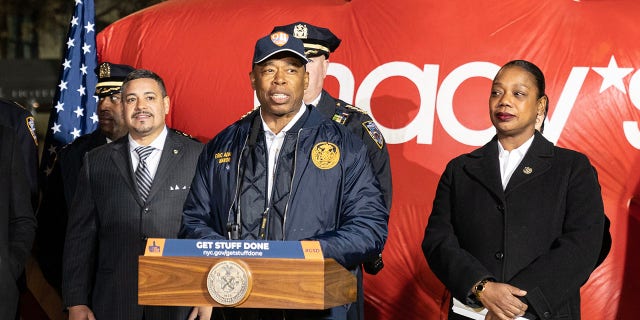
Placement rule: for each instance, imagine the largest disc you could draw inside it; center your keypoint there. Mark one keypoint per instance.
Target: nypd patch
(31, 125)
(374, 133)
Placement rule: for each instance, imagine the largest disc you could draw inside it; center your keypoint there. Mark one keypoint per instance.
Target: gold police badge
(325, 155)
(105, 70)
(229, 283)
(300, 31)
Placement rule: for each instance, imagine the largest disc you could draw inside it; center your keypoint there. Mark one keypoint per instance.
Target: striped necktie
(143, 177)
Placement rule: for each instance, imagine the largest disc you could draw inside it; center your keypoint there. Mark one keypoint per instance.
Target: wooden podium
(285, 275)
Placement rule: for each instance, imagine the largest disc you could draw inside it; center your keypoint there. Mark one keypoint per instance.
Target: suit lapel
(484, 168)
(169, 160)
(535, 163)
(122, 161)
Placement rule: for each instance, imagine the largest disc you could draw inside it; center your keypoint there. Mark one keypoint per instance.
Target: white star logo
(74, 21)
(86, 48)
(62, 85)
(52, 149)
(83, 69)
(70, 43)
(78, 2)
(612, 75)
(97, 99)
(79, 112)
(67, 64)
(89, 27)
(56, 129)
(94, 117)
(81, 91)
(75, 133)
(59, 107)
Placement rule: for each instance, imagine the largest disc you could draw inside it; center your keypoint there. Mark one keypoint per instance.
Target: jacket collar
(327, 104)
(310, 118)
(484, 165)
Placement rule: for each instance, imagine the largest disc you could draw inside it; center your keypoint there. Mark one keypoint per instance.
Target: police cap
(317, 41)
(110, 78)
(278, 42)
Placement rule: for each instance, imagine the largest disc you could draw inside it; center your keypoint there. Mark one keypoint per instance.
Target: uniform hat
(110, 78)
(317, 41)
(275, 43)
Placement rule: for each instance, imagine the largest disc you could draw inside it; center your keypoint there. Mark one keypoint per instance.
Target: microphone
(234, 227)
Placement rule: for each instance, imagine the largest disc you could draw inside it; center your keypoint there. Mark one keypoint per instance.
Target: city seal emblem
(325, 155)
(229, 283)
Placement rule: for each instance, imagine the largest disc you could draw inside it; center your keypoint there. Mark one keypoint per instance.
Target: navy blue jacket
(349, 218)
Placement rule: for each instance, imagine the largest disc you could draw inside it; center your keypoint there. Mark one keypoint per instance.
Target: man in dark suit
(61, 183)
(127, 191)
(18, 224)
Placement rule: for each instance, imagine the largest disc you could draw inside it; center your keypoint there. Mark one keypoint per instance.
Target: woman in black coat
(517, 224)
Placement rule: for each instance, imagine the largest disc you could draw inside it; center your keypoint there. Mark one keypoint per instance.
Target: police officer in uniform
(14, 116)
(61, 186)
(318, 44)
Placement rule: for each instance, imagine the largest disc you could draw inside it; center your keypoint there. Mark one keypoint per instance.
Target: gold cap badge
(105, 70)
(300, 31)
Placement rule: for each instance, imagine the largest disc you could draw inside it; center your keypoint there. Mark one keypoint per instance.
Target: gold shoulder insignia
(31, 125)
(248, 113)
(354, 108)
(183, 134)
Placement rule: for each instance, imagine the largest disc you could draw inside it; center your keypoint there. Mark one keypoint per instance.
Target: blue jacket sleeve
(198, 219)
(362, 217)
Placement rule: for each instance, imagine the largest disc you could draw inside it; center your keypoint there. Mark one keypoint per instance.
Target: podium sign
(242, 274)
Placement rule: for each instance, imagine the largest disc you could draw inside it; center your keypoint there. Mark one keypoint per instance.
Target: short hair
(145, 74)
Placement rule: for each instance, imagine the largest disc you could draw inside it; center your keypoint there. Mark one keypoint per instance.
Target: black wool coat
(542, 234)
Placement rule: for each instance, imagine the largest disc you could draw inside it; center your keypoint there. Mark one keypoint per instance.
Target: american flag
(74, 112)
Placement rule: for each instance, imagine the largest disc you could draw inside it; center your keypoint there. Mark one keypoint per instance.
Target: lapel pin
(175, 151)
(527, 170)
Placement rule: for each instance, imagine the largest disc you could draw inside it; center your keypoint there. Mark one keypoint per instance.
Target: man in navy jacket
(261, 176)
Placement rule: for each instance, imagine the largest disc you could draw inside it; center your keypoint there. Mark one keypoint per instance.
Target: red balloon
(423, 69)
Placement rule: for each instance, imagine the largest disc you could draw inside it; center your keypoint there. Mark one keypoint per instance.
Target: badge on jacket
(31, 125)
(374, 132)
(325, 155)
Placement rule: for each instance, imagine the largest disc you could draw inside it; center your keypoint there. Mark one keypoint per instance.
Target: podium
(242, 274)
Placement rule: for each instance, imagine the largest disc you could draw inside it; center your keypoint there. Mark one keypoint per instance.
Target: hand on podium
(200, 313)
(81, 312)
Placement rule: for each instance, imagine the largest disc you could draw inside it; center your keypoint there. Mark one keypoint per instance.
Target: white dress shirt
(509, 160)
(274, 143)
(154, 158)
(316, 100)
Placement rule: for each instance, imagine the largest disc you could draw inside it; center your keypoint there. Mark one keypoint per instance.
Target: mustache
(147, 113)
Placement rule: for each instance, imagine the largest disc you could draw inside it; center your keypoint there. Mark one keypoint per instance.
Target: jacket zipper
(293, 176)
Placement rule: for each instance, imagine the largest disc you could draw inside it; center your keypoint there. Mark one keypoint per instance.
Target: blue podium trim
(232, 248)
